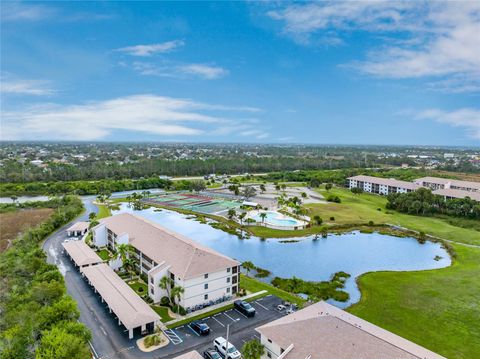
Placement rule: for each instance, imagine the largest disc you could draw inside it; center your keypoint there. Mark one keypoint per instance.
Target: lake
(308, 259)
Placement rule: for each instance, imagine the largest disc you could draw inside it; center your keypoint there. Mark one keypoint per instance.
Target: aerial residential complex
(324, 331)
(205, 275)
(447, 188)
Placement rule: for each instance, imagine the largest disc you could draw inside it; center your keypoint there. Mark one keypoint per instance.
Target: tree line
(38, 319)
(424, 202)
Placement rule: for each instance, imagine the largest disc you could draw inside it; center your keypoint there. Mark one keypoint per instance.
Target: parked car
(211, 353)
(244, 308)
(200, 327)
(221, 344)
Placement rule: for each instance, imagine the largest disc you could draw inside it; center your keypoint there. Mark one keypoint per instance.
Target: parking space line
(241, 313)
(193, 331)
(174, 338)
(230, 317)
(219, 322)
(261, 305)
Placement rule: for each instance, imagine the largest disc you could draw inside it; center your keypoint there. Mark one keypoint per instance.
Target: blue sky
(329, 72)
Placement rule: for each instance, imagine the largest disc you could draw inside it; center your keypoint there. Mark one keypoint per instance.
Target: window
(228, 290)
(151, 291)
(205, 296)
(228, 270)
(234, 269)
(205, 286)
(172, 276)
(206, 276)
(151, 280)
(228, 279)
(234, 280)
(269, 340)
(269, 355)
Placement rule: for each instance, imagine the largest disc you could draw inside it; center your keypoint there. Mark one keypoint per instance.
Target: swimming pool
(275, 219)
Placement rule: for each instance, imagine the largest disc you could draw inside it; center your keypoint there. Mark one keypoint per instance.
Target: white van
(220, 345)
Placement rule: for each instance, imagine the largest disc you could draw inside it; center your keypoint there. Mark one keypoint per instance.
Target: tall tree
(253, 349)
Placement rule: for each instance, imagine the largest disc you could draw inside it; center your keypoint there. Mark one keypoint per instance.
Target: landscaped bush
(152, 340)
(332, 218)
(179, 309)
(333, 198)
(165, 301)
(356, 190)
(370, 223)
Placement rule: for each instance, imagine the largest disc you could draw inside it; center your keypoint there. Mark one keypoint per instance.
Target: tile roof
(81, 253)
(457, 193)
(190, 355)
(386, 181)
(324, 331)
(125, 303)
(79, 226)
(186, 258)
(454, 182)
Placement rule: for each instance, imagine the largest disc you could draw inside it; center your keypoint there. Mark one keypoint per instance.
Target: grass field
(139, 287)
(103, 211)
(14, 223)
(362, 208)
(438, 309)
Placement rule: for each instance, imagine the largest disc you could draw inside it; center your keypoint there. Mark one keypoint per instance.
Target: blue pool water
(277, 219)
(309, 259)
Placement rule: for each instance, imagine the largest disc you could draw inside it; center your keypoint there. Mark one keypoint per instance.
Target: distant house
(324, 331)
(435, 183)
(205, 275)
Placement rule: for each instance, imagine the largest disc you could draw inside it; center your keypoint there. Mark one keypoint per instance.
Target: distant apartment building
(447, 188)
(324, 331)
(205, 275)
(383, 186)
(435, 183)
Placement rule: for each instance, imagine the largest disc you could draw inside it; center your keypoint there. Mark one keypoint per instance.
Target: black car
(211, 354)
(244, 308)
(200, 327)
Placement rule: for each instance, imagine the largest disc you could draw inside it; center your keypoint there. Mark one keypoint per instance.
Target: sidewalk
(213, 307)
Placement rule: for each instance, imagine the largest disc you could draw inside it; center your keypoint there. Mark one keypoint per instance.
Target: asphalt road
(109, 340)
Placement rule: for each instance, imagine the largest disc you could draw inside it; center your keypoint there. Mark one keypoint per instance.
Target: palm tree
(241, 217)
(253, 349)
(177, 293)
(92, 216)
(263, 215)
(166, 284)
(248, 266)
(231, 213)
(124, 251)
(14, 199)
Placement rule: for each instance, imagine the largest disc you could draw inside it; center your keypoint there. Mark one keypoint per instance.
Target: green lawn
(438, 309)
(103, 211)
(162, 312)
(362, 208)
(104, 254)
(139, 287)
(253, 285)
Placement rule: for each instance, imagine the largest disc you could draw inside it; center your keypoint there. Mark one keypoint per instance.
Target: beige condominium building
(379, 185)
(446, 188)
(205, 275)
(324, 331)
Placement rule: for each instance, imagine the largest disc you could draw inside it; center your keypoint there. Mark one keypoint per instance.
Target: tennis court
(195, 202)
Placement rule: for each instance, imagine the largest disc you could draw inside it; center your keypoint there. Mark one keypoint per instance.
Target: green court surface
(197, 203)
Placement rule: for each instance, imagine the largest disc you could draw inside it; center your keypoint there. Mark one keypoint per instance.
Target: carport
(81, 253)
(129, 308)
(78, 229)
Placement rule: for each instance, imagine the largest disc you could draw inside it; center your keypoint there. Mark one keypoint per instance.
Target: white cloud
(208, 72)
(149, 50)
(167, 69)
(468, 118)
(434, 40)
(148, 114)
(17, 11)
(25, 87)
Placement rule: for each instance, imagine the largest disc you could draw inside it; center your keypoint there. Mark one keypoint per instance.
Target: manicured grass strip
(438, 309)
(162, 312)
(212, 312)
(253, 285)
(103, 211)
(139, 287)
(200, 316)
(104, 254)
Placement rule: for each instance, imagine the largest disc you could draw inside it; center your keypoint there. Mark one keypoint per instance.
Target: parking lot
(242, 329)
